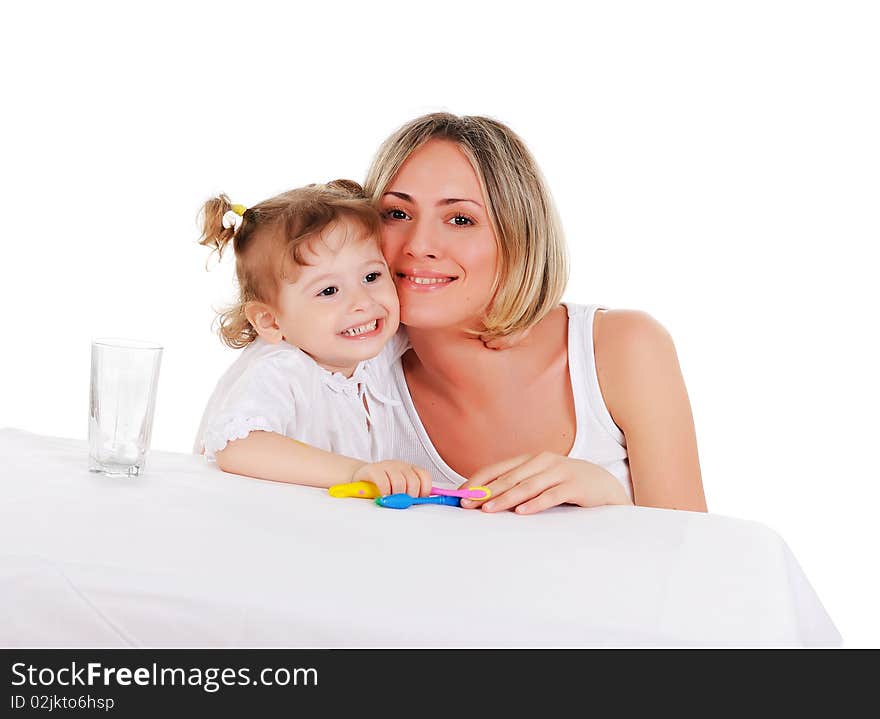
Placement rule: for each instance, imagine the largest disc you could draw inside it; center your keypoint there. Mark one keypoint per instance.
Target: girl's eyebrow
(320, 279)
(448, 201)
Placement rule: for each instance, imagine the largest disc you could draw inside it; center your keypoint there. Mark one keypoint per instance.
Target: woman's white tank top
(597, 438)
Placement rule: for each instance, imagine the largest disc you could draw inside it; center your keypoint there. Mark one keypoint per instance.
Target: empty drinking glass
(122, 398)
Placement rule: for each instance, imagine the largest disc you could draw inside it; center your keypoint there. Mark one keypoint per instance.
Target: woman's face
(437, 239)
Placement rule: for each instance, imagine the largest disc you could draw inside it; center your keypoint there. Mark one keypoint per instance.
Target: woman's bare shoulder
(634, 355)
(619, 329)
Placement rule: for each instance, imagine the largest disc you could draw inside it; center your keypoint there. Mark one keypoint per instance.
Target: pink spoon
(469, 493)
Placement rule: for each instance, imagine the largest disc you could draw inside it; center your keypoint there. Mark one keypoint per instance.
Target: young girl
(317, 316)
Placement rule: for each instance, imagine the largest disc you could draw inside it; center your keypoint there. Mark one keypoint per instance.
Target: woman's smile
(422, 280)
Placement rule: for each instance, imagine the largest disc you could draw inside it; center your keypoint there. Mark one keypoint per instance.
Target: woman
(588, 407)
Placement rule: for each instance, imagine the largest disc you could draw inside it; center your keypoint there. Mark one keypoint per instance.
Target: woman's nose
(419, 241)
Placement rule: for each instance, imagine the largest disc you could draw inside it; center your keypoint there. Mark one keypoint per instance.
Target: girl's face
(438, 240)
(342, 307)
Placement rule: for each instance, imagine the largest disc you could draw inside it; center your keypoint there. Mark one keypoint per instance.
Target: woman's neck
(458, 366)
(454, 363)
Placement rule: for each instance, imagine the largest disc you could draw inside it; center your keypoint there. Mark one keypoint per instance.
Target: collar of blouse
(360, 384)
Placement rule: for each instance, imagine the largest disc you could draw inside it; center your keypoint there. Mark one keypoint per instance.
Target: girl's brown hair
(271, 235)
(533, 261)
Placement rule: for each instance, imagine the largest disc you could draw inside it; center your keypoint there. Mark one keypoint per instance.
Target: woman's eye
(396, 214)
(461, 220)
(328, 291)
(372, 276)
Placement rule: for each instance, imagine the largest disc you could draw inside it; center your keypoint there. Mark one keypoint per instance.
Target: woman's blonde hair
(271, 235)
(533, 262)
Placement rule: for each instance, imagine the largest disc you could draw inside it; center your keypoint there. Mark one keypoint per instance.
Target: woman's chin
(435, 318)
(421, 317)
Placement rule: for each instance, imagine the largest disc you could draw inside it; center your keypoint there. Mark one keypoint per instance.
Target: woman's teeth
(428, 280)
(355, 331)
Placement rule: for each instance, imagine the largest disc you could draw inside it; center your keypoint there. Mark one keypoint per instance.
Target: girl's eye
(396, 214)
(461, 221)
(328, 291)
(372, 276)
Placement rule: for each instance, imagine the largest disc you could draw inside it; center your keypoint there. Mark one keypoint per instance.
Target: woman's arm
(643, 388)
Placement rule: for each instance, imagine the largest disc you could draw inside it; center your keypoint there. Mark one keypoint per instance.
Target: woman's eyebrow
(448, 201)
(453, 200)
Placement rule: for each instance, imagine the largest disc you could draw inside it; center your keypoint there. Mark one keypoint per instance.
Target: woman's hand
(532, 483)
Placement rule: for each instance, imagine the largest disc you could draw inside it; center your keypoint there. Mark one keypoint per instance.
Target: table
(188, 556)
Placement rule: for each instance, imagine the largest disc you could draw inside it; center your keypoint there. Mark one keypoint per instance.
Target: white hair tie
(231, 220)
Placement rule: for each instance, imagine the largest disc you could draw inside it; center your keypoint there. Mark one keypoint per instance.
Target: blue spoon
(403, 501)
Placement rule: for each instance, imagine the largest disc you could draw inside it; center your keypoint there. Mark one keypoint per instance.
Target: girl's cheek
(389, 296)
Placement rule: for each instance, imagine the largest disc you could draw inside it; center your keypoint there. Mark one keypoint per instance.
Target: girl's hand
(393, 477)
(532, 483)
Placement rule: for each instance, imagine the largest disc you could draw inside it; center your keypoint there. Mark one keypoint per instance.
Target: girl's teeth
(355, 331)
(429, 280)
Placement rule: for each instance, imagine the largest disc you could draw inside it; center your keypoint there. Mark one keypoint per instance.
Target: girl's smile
(365, 331)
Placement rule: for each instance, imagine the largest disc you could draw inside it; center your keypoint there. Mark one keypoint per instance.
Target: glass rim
(126, 344)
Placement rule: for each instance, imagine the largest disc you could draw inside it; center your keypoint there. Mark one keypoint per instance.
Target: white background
(715, 164)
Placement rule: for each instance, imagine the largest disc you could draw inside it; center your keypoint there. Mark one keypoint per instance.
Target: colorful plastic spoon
(365, 490)
(404, 501)
(469, 493)
(368, 490)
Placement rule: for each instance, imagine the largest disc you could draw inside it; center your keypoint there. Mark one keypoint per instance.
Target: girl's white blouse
(279, 388)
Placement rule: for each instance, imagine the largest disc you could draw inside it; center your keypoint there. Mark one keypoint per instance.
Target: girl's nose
(360, 299)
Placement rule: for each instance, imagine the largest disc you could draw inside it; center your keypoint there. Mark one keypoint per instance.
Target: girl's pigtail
(215, 233)
(221, 220)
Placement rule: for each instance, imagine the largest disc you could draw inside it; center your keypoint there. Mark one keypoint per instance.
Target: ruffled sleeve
(264, 399)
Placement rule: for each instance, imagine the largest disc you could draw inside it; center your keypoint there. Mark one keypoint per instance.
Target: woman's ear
(264, 321)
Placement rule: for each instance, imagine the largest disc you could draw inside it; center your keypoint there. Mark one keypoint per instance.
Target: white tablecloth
(187, 556)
